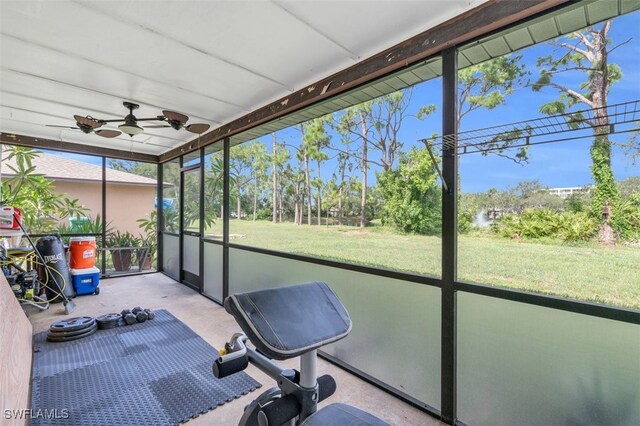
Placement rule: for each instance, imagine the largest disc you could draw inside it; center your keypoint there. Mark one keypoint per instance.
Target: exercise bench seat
(286, 322)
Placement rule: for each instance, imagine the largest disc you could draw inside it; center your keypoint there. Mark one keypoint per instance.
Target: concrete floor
(214, 325)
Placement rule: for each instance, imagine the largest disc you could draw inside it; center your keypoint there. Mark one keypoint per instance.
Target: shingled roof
(61, 168)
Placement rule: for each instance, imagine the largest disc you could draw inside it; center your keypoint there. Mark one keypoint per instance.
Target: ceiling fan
(130, 126)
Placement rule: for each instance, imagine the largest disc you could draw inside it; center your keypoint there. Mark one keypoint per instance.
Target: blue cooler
(86, 281)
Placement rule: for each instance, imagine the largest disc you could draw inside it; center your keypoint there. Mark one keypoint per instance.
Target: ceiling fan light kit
(130, 126)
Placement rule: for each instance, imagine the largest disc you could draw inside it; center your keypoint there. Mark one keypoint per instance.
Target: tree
(412, 196)
(135, 167)
(35, 195)
(586, 53)
(240, 170)
(632, 146)
(487, 85)
(316, 140)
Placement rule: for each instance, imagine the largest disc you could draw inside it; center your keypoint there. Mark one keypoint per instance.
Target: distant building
(566, 192)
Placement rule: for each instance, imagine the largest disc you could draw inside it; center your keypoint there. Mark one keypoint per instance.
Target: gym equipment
(66, 337)
(51, 249)
(318, 318)
(125, 312)
(72, 329)
(137, 309)
(130, 318)
(57, 264)
(142, 316)
(150, 314)
(73, 324)
(108, 321)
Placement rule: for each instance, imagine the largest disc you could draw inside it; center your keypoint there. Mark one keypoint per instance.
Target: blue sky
(555, 165)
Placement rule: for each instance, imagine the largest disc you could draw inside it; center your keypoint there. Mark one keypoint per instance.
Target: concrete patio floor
(215, 326)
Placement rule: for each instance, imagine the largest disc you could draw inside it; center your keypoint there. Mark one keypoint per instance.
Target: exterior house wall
(125, 203)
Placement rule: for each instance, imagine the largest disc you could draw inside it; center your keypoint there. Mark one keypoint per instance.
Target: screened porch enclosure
(438, 331)
(473, 206)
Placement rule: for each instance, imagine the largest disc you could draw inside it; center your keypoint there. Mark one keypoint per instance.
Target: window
(356, 186)
(561, 216)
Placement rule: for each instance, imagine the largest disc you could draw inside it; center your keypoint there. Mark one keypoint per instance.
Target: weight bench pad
(342, 414)
(288, 321)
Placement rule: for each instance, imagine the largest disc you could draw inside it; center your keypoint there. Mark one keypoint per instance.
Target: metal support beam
(449, 235)
(160, 217)
(103, 243)
(181, 224)
(201, 229)
(482, 20)
(76, 148)
(225, 219)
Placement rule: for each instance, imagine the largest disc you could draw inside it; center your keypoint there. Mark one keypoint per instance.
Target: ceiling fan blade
(108, 133)
(175, 116)
(158, 126)
(198, 128)
(87, 121)
(62, 127)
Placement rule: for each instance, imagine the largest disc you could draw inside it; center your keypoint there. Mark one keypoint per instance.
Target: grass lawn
(587, 272)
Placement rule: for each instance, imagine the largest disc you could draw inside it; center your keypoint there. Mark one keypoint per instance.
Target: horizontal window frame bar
(173, 234)
(553, 302)
(212, 241)
(65, 235)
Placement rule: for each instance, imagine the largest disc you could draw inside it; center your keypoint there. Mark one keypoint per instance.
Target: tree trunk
(319, 196)
(363, 196)
(274, 183)
(307, 181)
(255, 199)
(339, 206)
(299, 202)
(238, 206)
(605, 191)
(280, 205)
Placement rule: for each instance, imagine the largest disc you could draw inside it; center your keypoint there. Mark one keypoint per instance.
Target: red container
(82, 252)
(7, 218)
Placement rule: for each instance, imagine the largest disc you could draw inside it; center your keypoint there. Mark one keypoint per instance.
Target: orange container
(82, 252)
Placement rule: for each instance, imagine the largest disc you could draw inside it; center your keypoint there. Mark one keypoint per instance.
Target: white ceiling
(211, 60)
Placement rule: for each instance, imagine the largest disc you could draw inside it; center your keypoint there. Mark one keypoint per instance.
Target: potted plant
(146, 255)
(121, 247)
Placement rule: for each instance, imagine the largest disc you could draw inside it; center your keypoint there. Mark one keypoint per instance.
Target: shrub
(625, 220)
(538, 224)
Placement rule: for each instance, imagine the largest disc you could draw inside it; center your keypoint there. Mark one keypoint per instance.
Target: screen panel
(525, 364)
(396, 324)
(213, 270)
(170, 256)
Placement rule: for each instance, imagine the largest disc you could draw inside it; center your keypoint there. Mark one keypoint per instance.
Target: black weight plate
(73, 324)
(109, 317)
(106, 325)
(60, 334)
(88, 332)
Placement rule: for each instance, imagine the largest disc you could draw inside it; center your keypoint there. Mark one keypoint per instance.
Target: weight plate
(60, 334)
(106, 318)
(73, 324)
(108, 321)
(55, 338)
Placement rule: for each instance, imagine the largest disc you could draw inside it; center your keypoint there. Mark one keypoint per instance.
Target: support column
(225, 220)
(449, 235)
(103, 262)
(159, 216)
(201, 228)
